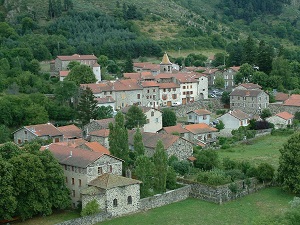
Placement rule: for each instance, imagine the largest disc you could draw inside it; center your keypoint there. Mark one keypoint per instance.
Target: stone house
(292, 104)
(249, 100)
(199, 116)
(202, 87)
(281, 97)
(150, 95)
(281, 120)
(81, 166)
(40, 131)
(211, 74)
(154, 118)
(100, 136)
(248, 86)
(94, 125)
(70, 131)
(201, 133)
(115, 194)
(154, 69)
(235, 119)
(173, 144)
(177, 129)
(62, 62)
(63, 74)
(229, 75)
(94, 146)
(169, 94)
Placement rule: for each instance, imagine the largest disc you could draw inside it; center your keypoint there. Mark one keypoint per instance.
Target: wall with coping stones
(165, 199)
(88, 220)
(222, 193)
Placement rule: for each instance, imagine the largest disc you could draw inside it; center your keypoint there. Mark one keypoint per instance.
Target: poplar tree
(160, 160)
(138, 144)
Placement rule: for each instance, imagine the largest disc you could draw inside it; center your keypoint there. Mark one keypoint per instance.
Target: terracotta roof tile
(107, 99)
(280, 96)
(77, 57)
(250, 86)
(201, 112)
(285, 115)
(200, 128)
(147, 66)
(104, 123)
(126, 85)
(72, 143)
(100, 133)
(136, 76)
(244, 93)
(109, 180)
(70, 131)
(168, 85)
(47, 129)
(177, 128)
(149, 84)
(64, 73)
(182, 77)
(235, 68)
(294, 100)
(239, 114)
(150, 139)
(97, 147)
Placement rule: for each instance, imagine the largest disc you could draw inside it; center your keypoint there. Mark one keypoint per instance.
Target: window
(174, 89)
(79, 182)
(109, 168)
(204, 117)
(99, 170)
(164, 90)
(19, 141)
(191, 86)
(154, 97)
(153, 90)
(129, 200)
(184, 93)
(73, 181)
(66, 180)
(66, 167)
(138, 96)
(148, 91)
(73, 193)
(56, 140)
(147, 97)
(238, 98)
(191, 92)
(25, 131)
(115, 202)
(148, 121)
(72, 168)
(79, 169)
(232, 104)
(169, 89)
(183, 87)
(174, 96)
(152, 113)
(190, 117)
(156, 120)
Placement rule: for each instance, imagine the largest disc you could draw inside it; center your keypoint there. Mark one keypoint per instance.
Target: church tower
(165, 65)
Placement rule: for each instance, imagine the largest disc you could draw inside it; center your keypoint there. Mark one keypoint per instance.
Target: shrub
(229, 164)
(181, 167)
(91, 208)
(225, 146)
(171, 178)
(220, 111)
(213, 177)
(235, 174)
(244, 166)
(207, 160)
(222, 140)
(265, 172)
(233, 188)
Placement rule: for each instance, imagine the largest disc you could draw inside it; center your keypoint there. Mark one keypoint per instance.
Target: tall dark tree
(87, 106)
(138, 144)
(160, 160)
(118, 139)
(264, 57)
(168, 118)
(128, 67)
(104, 112)
(249, 51)
(135, 117)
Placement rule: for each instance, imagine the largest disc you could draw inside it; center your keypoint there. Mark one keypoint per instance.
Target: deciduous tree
(104, 112)
(81, 74)
(135, 117)
(160, 159)
(168, 118)
(138, 144)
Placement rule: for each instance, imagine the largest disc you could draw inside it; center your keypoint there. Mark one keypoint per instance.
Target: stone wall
(219, 194)
(165, 199)
(87, 220)
(277, 108)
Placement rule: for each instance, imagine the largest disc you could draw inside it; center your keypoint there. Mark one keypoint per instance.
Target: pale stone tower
(165, 65)
(97, 72)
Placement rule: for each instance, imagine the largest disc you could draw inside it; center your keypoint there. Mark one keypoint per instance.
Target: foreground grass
(262, 149)
(248, 210)
(55, 218)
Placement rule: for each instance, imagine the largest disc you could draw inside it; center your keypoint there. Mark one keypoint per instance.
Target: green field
(262, 149)
(247, 210)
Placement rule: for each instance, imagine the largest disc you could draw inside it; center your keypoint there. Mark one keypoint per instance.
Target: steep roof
(70, 131)
(294, 100)
(150, 139)
(250, 86)
(239, 114)
(76, 57)
(47, 129)
(64, 73)
(100, 133)
(73, 156)
(107, 99)
(109, 180)
(200, 128)
(285, 115)
(165, 60)
(200, 112)
(96, 147)
(182, 77)
(177, 128)
(244, 93)
(280, 96)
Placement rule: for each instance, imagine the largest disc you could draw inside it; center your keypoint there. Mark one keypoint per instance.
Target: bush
(181, 167)
(225, 146)
(207, 160)
(220, 111)
(222, 140)
(171, 178)
(235, 174)
(229, 164)
(213, 177)
(265, 172)
(91, 208)
(233, 188)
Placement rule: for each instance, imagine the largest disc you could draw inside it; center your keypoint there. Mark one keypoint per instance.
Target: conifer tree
(87, 106)
(160, 160)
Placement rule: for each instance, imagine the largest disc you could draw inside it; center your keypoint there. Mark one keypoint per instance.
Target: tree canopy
(87, 106)
(168, 118)
(135, 117)
(81, 74)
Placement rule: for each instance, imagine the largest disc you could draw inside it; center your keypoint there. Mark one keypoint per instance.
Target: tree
(265, 113)
(72, 64)
(104, 112)
(81, 74)
(91, 208)
(36, 114)
(65, 91)
(249, 51)
(4, 134)
(225, 99)
(87, 106)
(144, 171)
(171, 182)
(160, 160)
(220, 125)
(219, 81)
(168, 118)
(289, 165)
(135, 117)
(8, 201)
(103, 60)
(219, 59)
(265, 172)
(138, 144)
(118, 139)
(128, 67)
(207, 160)
(68, 4)
(264, 57)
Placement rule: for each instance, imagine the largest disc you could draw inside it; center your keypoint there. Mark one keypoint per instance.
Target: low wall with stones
(165, 199)
(223, 193)
(87, 220)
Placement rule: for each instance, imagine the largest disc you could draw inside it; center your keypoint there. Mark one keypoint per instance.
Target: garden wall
(223, 193)
(87, 220)
(165, 199)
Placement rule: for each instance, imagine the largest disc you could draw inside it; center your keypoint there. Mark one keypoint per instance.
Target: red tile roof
(200, 128)
(72, 143)
(126, 85)
(177, 128)
(147, 66)
(73, 156)
(280, 96)
(150, 139)
(210, 71)
(100, 133)
(64, 73)
(107, 99)
(285, 115)
(76, 57)
(149, 84)
(168, 85)
(239, 114)
(250, 86)
(97, 147)
(235, 68)
(192, 158)
(136, 76)
(182, 77)
(201, 112)
(104, 123)
(294, 100)
(70, 131)
(244, 93)
(47, 129)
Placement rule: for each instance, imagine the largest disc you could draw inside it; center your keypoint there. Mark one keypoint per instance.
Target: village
(92, 172)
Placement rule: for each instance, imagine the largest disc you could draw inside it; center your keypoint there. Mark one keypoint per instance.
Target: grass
(55, 218)
(265, 203)
(262, 149)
